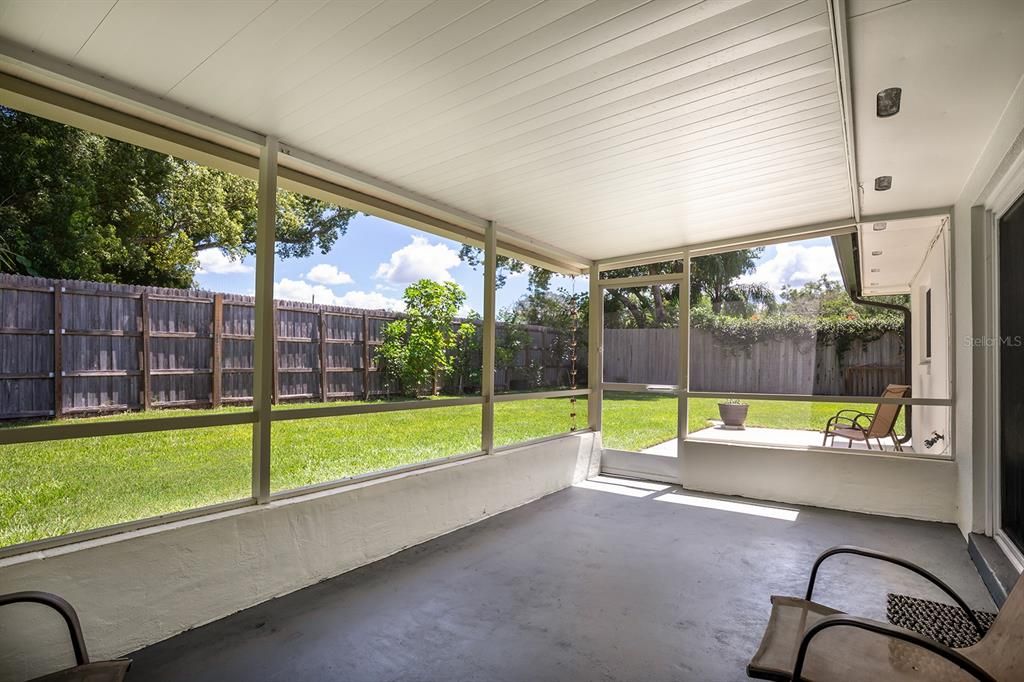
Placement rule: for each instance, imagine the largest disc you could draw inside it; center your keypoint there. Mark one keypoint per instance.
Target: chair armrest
(62, 607)
(841, 416)
(893, 632)
(903, 563)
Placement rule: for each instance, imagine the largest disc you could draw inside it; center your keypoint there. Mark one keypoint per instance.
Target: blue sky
(369, 267)
(372, 264)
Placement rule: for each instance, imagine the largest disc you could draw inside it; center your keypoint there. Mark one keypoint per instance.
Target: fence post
(147, 379)
(58, 356)
(216, 390)
(275, 391)
(366, 356)
(323, 356)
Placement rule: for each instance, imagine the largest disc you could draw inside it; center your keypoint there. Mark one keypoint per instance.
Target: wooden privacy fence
(783, 365)
(73, 348)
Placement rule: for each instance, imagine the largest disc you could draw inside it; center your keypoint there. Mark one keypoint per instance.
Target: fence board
(129, 347)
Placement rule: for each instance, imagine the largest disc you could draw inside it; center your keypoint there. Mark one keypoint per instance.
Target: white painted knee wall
(138, 588)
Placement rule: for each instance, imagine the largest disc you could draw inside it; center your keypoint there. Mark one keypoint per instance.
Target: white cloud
(419, 260)
(374, 300)
(794, 265)
(298, 290)
(324, 273)
(216, 262)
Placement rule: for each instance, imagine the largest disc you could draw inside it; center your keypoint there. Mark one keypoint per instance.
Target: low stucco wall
(138, 588)
(875, 484)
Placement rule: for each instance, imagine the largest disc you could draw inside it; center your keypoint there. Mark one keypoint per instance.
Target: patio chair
(855, 425)
(807, 641)
(84, 671)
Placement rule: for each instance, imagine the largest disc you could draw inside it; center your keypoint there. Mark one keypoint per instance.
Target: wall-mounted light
(874, 284)
(876, 269)
(876, 253)
(887, 102)
(883, 183)
(878, 227)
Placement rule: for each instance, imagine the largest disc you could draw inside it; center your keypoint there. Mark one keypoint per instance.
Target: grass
(57, 487)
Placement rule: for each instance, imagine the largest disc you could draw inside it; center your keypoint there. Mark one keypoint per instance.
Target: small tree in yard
(417, 350)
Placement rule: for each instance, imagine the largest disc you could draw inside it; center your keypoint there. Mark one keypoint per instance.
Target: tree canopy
(78, 205)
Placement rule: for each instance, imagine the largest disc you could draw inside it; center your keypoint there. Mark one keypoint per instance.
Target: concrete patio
(753, 435)
(613, 579)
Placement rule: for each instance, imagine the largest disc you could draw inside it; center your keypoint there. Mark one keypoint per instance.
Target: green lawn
(57, 487)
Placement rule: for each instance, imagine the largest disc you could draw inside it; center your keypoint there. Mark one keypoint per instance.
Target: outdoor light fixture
(883, 182)
(876, 253)
(887, 102)
(876, 269)
(878, 227)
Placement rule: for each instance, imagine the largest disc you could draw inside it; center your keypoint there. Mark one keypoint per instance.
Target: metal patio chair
(855, 425)
(83, 671)
(807, 641)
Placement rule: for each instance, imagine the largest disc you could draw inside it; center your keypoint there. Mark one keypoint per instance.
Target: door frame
(1002, 197)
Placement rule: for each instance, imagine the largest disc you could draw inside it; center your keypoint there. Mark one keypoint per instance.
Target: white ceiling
(957, 61)
(604, 128)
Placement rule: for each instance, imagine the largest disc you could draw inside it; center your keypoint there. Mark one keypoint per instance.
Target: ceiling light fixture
(887, 102)
(878, 227)
(883, 183)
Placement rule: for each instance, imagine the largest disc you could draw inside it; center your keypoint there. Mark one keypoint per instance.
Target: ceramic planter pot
(732, 414)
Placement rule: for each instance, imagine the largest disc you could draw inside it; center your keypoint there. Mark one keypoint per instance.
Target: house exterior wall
(930, 374)
(141, 587)
(971, 297)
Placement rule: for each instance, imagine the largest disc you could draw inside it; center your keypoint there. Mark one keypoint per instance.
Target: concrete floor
(611, 580)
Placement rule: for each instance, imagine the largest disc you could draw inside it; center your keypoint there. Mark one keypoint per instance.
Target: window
(928, 324)
(382, 324)
(106, 325)
(780, 320)
(540, 348)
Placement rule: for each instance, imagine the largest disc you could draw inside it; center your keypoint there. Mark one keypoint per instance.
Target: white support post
(490, 337)
(263, 376)
(595, 350)
(683, 379)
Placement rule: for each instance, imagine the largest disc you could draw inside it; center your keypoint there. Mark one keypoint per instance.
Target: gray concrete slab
(613, 581)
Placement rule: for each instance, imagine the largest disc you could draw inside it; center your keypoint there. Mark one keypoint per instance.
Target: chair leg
(896, 441)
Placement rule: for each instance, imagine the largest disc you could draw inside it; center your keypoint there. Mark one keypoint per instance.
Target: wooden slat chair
(84, 671)
(807, 641)
(855, 425)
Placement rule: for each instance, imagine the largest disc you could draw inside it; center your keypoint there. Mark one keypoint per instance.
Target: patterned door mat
(945, 623)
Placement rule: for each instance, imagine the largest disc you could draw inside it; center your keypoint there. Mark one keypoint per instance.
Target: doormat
(945, 623)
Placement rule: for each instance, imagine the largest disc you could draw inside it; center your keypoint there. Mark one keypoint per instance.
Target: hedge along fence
(772, 355)
(83, 348)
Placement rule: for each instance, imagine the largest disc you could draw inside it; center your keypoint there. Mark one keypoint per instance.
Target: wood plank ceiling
(603, 128)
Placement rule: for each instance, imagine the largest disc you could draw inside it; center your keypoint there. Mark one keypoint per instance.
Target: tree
(467, 354)
(81, 206)
(828, 298)
(715, 276)
(511, 340)
(417, 349)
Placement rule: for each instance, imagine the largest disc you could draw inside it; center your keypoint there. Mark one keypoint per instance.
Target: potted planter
(733, 413)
